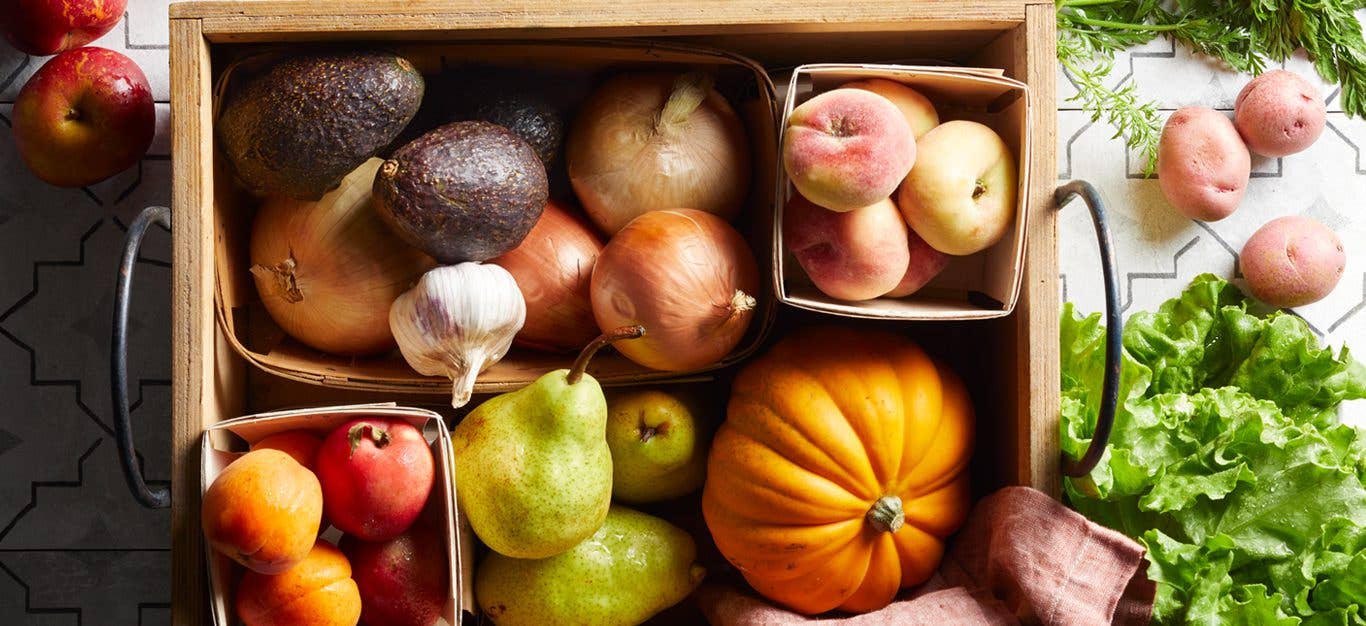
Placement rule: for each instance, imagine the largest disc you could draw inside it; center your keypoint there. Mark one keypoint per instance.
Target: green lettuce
(1227, 460)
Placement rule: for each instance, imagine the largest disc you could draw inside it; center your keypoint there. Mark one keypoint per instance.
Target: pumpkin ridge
(803, 563)
(884, 566)
(810, 456)
(815, 514)
(865, 410)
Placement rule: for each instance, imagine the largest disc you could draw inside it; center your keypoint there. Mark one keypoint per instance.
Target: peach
(1202, 165)
(1292, 261)
(1279, 113)
(853, 255)
(847, 148)
(926, 263)
(263, 511)
(961, 194)
(319, 591)
(918, 109)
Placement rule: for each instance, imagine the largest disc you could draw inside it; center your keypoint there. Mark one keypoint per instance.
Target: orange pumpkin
(840, 469)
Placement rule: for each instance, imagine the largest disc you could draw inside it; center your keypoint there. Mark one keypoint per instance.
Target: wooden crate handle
(1114, 326)
(155, 496)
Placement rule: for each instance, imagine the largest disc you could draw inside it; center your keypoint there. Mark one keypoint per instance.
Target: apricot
(319, 591)
(299, 444)
(263, 511)
(847, 148)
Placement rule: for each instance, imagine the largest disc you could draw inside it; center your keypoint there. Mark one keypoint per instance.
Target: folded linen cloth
(1021, 557)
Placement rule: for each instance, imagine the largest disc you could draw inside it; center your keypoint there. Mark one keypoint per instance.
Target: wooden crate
(1013, 360)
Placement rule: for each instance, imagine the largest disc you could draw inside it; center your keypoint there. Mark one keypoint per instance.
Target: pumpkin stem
(617, 334)
(886, 516)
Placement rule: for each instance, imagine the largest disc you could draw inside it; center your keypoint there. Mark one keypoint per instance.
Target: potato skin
(1292, 261)
(1202, 164)
(1279, 113)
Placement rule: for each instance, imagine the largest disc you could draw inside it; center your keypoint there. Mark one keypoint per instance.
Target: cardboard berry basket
(575, 66)
(224, 442)
(220, 371)
(982, 285)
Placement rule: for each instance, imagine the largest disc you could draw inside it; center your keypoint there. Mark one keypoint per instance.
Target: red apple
(86, 115)
(404, 581)
(376, 475)
(43, 27)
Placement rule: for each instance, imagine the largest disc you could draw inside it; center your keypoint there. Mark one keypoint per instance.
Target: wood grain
(192, 345)
(1038, 314)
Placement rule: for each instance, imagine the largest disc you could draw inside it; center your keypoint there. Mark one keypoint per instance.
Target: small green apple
(659, 449)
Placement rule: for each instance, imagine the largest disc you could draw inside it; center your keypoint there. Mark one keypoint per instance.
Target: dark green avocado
(307, 120)
(466, 191)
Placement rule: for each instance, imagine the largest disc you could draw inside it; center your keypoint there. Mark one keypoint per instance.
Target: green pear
(658, 445)
(633, 567)
(533, 473)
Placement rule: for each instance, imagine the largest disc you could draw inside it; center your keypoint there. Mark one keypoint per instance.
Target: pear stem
(581, 363)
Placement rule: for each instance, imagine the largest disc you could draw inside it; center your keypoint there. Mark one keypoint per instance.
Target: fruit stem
(688, 93)
(978, 189)
(886, 515)
(378, 435)
(581, 362)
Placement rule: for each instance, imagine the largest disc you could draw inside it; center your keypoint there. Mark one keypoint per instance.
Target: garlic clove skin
(458, 321)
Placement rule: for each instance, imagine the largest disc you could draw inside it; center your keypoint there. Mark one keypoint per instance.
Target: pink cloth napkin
(1020, 558)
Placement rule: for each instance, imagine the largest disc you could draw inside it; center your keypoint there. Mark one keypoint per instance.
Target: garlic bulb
(458, 321)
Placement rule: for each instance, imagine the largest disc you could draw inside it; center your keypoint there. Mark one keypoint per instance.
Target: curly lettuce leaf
(1226, 459)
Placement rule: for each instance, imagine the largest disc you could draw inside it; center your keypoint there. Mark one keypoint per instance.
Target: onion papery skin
(553, 268)
(625, 159)
(685, 275)
(328, 270)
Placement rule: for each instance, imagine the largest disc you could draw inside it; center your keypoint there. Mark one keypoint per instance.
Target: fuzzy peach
(917, 109)
(1279, 113)
(1292, 261)
(847, 148)
(853, 255)
(925, 264)
(1202, 165)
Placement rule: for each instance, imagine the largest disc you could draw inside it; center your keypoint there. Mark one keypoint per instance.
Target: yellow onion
(687, 277)
(553, 266)
(650, 141)
(328, 270)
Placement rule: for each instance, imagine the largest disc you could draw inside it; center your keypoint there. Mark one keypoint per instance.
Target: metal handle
(155, 497)
(1114, 327)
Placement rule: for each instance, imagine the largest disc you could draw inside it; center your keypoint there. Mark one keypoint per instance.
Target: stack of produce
(369, 478)
(87, 113)
(1205, 162)
(856, 155)
(659, 162)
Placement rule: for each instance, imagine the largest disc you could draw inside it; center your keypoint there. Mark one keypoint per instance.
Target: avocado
(307, 120)
(531, 116)
(466, 191)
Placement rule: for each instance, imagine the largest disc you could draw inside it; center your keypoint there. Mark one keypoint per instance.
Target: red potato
(1202, 165)
(926, 263)
(376, 475)
(1279, 113)
(847, 148)
(1292, 261)
(854, 255)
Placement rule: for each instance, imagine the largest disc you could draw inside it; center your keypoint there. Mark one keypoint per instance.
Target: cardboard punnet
(223, 442)
(575, 67)
(977, 286)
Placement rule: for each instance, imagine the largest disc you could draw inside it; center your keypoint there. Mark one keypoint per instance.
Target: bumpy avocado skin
(466, 191)
(306, 121)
